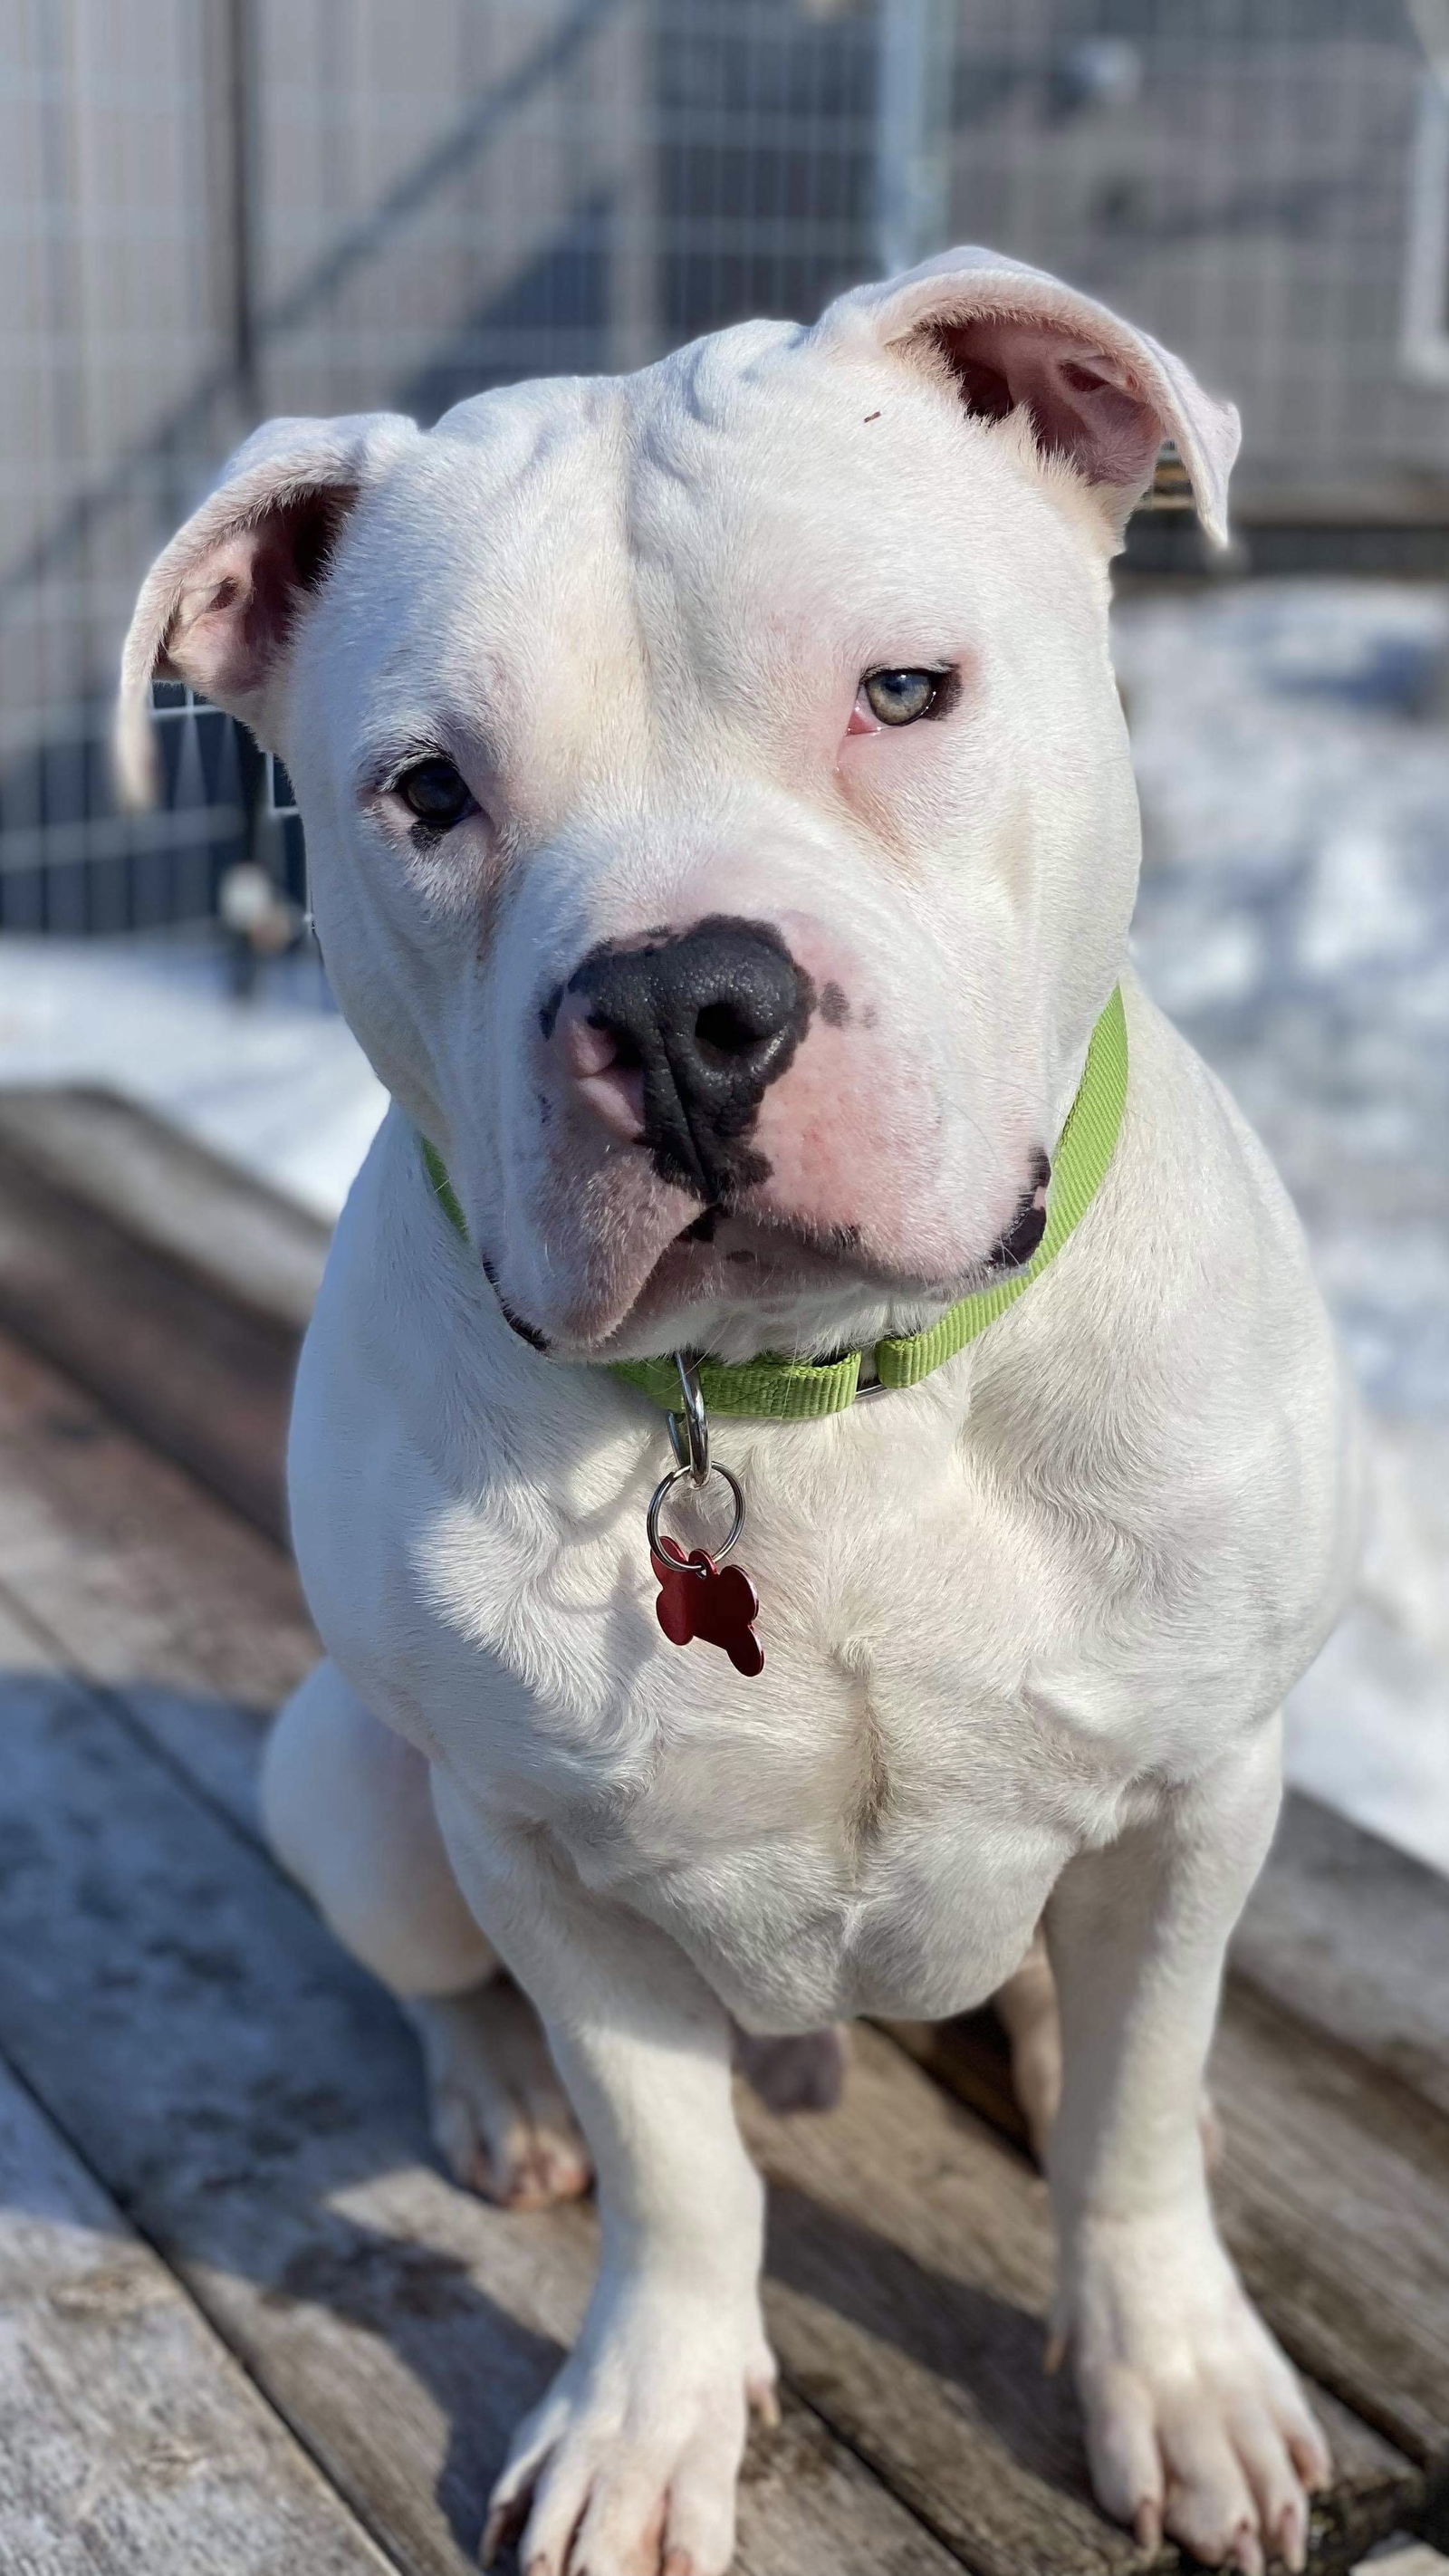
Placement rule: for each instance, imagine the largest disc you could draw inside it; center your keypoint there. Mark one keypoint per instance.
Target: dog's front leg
(629, 2464)
(1194, 2419)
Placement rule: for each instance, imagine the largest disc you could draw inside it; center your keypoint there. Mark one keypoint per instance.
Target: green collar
(784, 1390)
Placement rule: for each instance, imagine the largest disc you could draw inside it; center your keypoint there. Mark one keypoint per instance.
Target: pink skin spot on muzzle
(613, 1091)
(673, 1043)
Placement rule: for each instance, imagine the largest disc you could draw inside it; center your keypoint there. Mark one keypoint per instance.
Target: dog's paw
(1196, 2425)
(499, 2114)
(629, 2466)
(796, 2074)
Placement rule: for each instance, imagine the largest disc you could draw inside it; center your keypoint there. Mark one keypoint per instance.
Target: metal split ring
(689, 1428)
(717, 1555)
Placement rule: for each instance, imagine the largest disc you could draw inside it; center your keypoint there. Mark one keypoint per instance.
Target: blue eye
(902, 697)
(436, 792)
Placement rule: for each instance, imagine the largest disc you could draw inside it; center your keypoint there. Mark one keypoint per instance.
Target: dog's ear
(1098, 392)
(218, 605)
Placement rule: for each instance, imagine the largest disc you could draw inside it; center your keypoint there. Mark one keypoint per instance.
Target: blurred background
(220, 209)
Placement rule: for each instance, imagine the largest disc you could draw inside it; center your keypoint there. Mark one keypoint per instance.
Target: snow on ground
(1292, 745)
(1292, 742)
(278, 1082)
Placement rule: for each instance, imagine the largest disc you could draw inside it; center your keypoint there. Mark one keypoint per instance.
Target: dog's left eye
(901, 697)
(435, 791)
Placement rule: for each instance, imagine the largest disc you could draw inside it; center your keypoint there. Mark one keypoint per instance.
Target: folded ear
(218, 605)
(1098, 392)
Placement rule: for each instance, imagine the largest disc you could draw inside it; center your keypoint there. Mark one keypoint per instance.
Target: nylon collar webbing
(785, 1390)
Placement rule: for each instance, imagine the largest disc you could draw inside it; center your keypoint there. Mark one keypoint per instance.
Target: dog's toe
(628, 2467)
(536, 2169)
(500, 2117)
(1196, 2427)
(517, 2166)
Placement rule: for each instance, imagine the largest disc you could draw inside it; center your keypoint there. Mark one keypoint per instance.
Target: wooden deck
(246, 2324)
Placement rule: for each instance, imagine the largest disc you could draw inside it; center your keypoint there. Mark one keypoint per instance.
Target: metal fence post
(912, 126)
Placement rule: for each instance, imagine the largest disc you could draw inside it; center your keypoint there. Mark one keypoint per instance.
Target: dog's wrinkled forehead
(492, 562)
(584, 565)
(965, 436)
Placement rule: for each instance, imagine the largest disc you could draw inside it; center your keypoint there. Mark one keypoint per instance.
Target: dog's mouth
(725, 1253)
(720, 1258)
(753, 1260)
(728, 1259)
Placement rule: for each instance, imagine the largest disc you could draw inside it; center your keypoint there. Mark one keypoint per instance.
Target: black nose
(711, 1018)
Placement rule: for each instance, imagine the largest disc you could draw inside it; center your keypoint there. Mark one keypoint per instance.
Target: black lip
(526, 1332)
(1016, 1246)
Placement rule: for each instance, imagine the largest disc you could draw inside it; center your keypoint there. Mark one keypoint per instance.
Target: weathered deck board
(1333, 2192)
(908, 2279)
(911, 2273)
(1352, 1937)
(1334, 2195)
(969, 2056)
(250, 1244)
(129, 2437)
(114, 1550)
(267, 2138)
(205, 1379)
(904, 2204)
(138, 1577)
(253, 2101)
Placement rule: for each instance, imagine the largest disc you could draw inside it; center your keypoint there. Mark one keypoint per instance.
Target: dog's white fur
(1028, 1625)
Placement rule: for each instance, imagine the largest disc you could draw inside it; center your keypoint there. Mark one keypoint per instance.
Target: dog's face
(720, 824)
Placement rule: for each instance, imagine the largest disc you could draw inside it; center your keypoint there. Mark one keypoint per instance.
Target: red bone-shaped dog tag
(716, 1603)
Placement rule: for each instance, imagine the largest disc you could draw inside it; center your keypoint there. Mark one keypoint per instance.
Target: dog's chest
(871, 1823)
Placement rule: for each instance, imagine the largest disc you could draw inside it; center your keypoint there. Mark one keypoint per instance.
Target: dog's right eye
(436, 792)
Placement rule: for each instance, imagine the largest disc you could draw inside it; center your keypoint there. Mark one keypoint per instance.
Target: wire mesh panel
(766, 124)
(220, 209)
(1239, 176)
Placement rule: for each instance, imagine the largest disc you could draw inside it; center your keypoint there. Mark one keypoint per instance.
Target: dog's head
(721, 830)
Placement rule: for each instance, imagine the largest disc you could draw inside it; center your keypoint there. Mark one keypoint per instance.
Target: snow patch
(1292, 747)
(279, 1083)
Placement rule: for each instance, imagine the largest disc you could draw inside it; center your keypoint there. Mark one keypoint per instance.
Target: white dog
(723, 843)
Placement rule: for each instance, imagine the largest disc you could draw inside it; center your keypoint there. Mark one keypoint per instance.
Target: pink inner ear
(234, 615)
(1081, 400)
